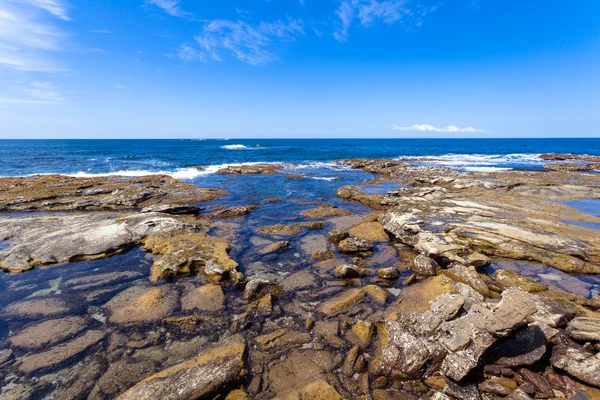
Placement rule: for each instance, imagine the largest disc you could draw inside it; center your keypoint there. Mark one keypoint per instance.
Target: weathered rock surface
(211, 372)
(584, 329)
(35, 308)
(342, 302)
(141, 304)
(509, 278)
(48, 333)
(577, 363)
(571, 167)
(233, 212)
(325, 211)
(59, 193)
(204, 298)
(354, 245)
(425, 266)
(349, 271)
(266, 169)
(279, 230)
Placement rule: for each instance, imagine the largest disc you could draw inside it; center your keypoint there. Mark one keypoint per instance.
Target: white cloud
(25, 41)
(105, 31)
(430, 128)
(252, 44)
(171, 7)
(370, 12)
(37, 93)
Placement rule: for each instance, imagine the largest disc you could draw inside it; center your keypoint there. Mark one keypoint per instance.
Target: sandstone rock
(376, 293)
(237, 395)
(388, 273)
(584, 329)
(554, 313)
(425, 266)
(81, 380)
(569, 167)
(233, 212)
(281, 339)
(213, 369)
(361, 333)
(279, 230)
(468, 276)
(172, 209)
(354, 245)
(345, 271)
(88, 282)
(342, 302)
(300, 368)
(120, 376)
(35, 308)
(5, 355)
(141, 304)
(208, 298)
(272, 200)
(324, 211)
(524, 347)
(59, 354)
(519, 394)
(257, 288)
(265, 169)
(369, 231)
(300, 280)
(581, 365)
(336, 235)
(509, 278)
(48, 333)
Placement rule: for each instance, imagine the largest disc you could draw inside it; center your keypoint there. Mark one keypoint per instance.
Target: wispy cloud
(252, 44)
(25, 41)
(37, 93)
(171, 7)
(370, 12)
(105, 31)
(430, 128)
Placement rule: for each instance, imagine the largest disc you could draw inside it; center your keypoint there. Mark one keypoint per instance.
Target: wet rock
(584, 329)
(120, 376)
(295, 176)
(257, 288)
(336, 235)
(524, 347)
(87, 282)
(354, 245)
(376, 293)
(346, 271)
(563, 157)
(264, 169)
(425, 266)
(5, 355)
(272, 200)
(299, 369)
(300, 280)
(388, 273)
(213, 369)
(361, 333)
(281, 339)
(596, 302)
(237, 395)
(313, 225)
(81, 380)
(185, 254)
(551, 312)
(48, 333)
(59, 354)
(172, 209)
(63, 193)
(208, 298)
(342, 302)
(275, 247)
(571, 167)
(325, 211)
(314, 244)
(35, 308)
(233, 212)
(279, 230)
(141, 304)
(509, 278)
(369, 231)
(468, 276)
(55, 239)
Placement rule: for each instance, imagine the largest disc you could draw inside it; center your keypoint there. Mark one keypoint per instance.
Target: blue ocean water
(139, 157)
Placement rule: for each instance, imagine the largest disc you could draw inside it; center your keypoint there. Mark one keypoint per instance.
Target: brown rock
(376, 293)
(233, 212)
(342, 302)
(425, 266)
(141, 304)
(584, 329)
(370, 231)
(325, 211)
(388, 273)
(362, 333)
(509, 278)
(346, 271)
(279, 230)
(265, 169)
(275, 247)
(48, 333)
(354, 245)
(204, 298)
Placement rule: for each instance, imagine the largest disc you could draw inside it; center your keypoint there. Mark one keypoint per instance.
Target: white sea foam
(486, 169)
(323, 178)
(238, 147)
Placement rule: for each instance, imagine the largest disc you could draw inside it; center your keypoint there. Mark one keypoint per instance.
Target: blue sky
(299, 68)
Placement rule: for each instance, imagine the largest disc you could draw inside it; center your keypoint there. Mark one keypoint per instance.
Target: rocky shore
(453, 285)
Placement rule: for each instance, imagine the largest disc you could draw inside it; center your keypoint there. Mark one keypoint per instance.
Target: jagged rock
(325, 211)
(509, 278)
(425, 266)
(257, 288)
(349, 271)
(570, 167)
(59, 354)
(337, 235)
(265, 169)
(388, 273)
(361, 333)
(584, 329)
(5, 355)
(213, 369)
(312, 225)
(554, 313)
(354, 245)
(524, 347)
(48, 333)
(120, 376)
(141, 304)
(204, 298)
(468, 276)
(233, 212)
(172, 209)
(519, 394)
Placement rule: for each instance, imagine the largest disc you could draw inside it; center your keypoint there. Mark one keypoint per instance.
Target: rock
(361, 333)
(312, 225)
(208, 298)
(425, 266)
(336, 235)
(35, 308)
(551, 312)
(571, 167)
(300, 280)
(318, 390)
(345, 271)
(257, 288)
(325, 211)
(563, 157)
(509, 278)
(275, 247)
(326, 328)
(5, 355)
(81, 380)
(376, 293)
(540, 384)
(233, 212)
(295, 176)
(237, 395)
(141, 304)
(281, 339)
(120, 376)
(213, 369)
(279, 230)
(264, 169)
(187, 253)
(64, 193)
(342, 302)
(272, 200)
(584, 329)
(596, 302)
(59, 354)
(369, 231)
(388, 273)
(519, 394)
(88, 282)
(468, 276)
(523, 347)
(54, 239)
(172, 209)
(48, 333)
(300, 368)
(354, 245)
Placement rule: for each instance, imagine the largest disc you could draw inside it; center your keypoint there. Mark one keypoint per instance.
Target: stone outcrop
(265, 169)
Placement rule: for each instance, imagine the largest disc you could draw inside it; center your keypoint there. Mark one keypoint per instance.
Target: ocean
(175, 157)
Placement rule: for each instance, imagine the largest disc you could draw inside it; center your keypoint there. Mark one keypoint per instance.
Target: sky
(299, 68)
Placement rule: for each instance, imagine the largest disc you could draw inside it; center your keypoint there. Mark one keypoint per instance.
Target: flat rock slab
(205, 298)
(61, 353)
(199, 378)
(141, 304)
(325, 211)
(342, 302)
(584, 329)
(299, 369)
(35, 308)
(48, 333)
(524, 347)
